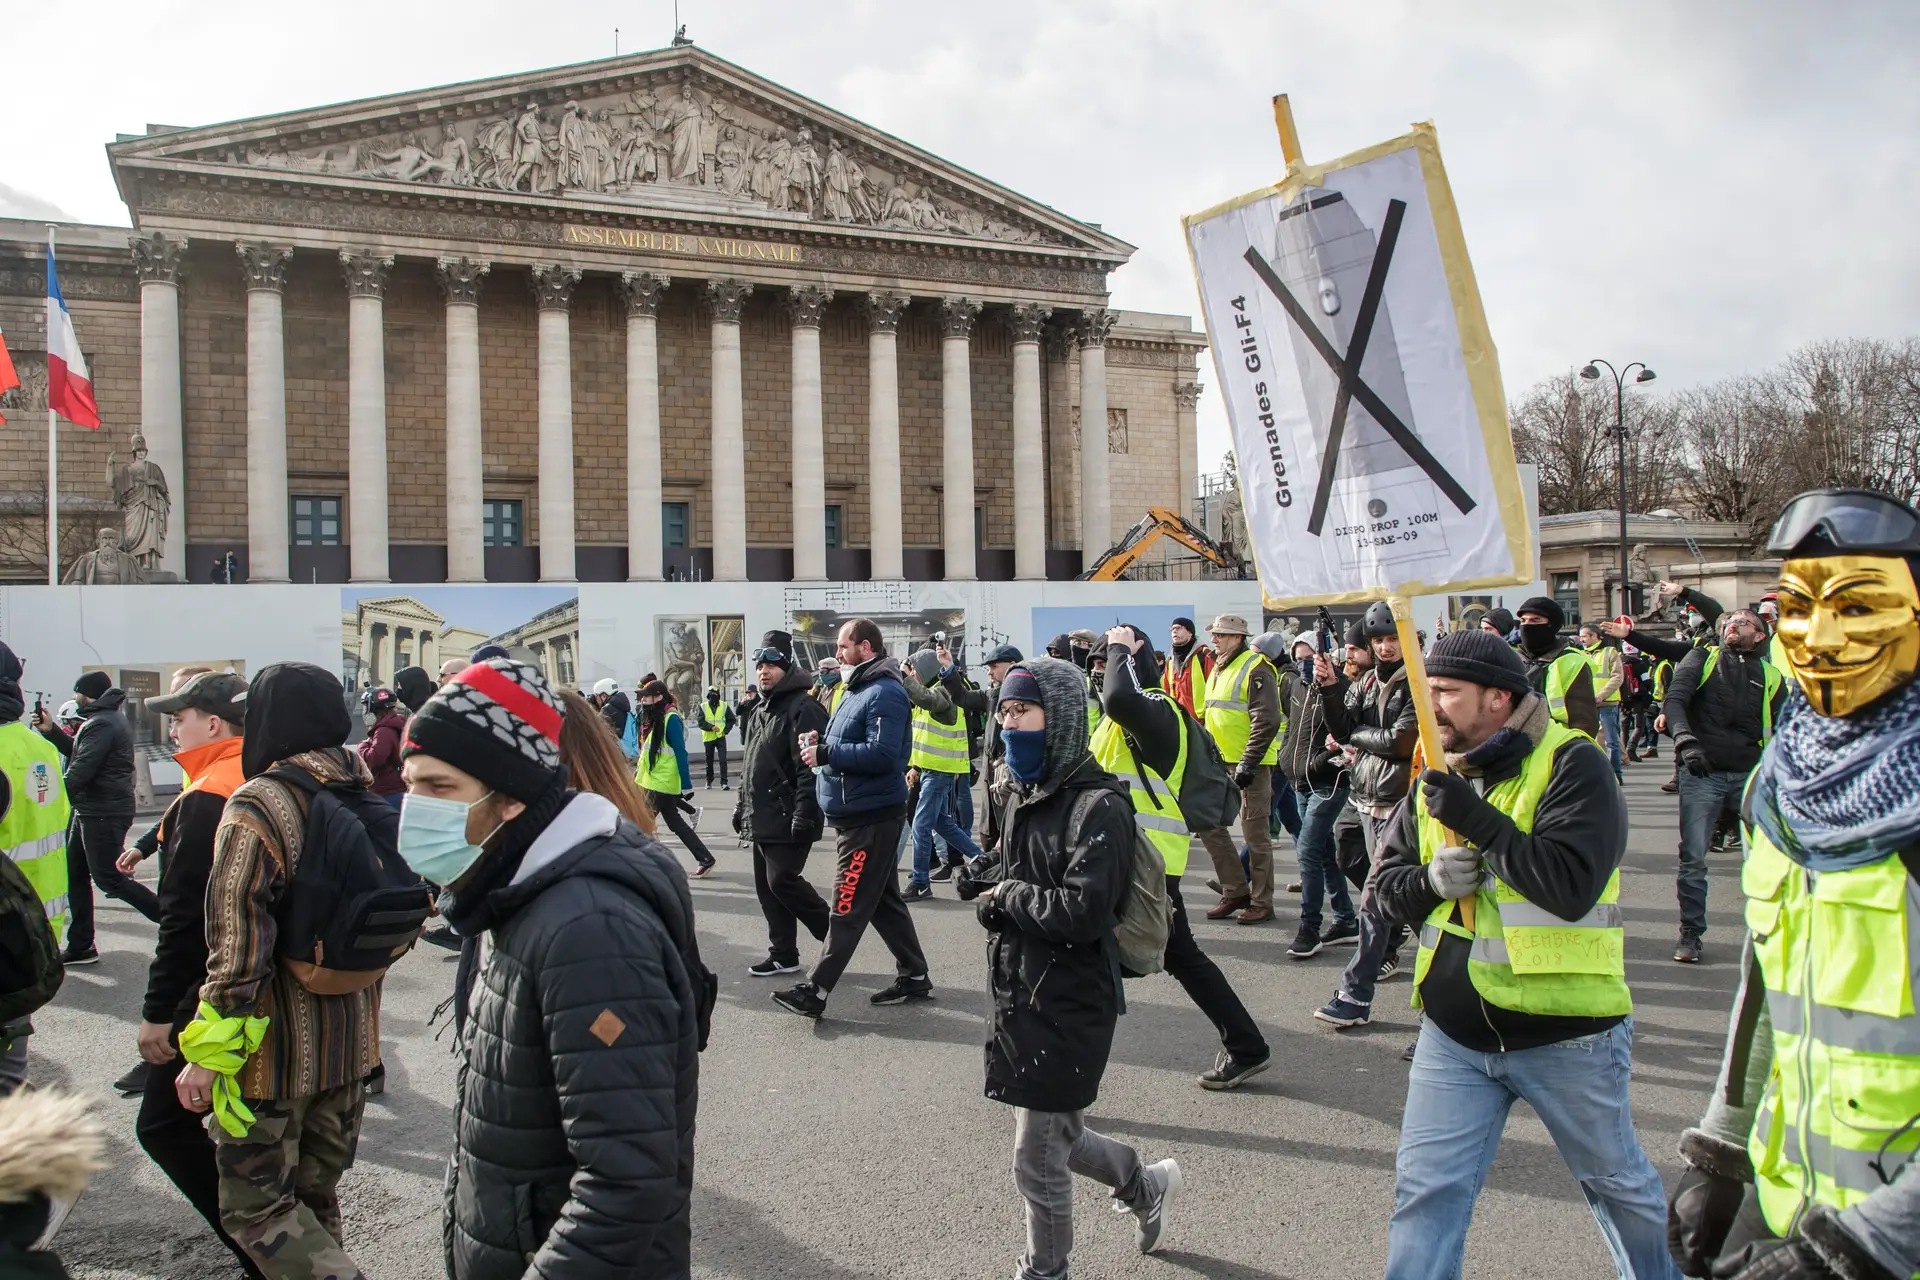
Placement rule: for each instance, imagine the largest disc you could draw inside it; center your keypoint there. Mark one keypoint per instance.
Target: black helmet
(379, 701)
(1379, 620)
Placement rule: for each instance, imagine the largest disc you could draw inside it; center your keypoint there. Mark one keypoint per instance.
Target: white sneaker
(1164, 1184)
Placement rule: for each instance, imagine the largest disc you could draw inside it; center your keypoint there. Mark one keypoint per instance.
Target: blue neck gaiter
(1026, 753)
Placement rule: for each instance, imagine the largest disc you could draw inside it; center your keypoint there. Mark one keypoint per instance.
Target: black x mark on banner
(1347, 370)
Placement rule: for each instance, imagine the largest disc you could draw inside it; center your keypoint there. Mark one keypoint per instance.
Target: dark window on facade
(501, 522)
(833, 527)
(1566, 594)
(676, 522)
(316, 521)
(979, 526)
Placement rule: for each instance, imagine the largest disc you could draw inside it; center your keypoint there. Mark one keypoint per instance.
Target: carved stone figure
(456, 158)
(682, 118)
(410, 161)
(836, 196)
(770, 166)
(731, 170)
(1639, 571)
(803, 173)
(899, 207)
(106, 565)
(602, 141)
(530, 153)
(140, 491)
(573, 147)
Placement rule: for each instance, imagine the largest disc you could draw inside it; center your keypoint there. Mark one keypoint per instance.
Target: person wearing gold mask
(1804, 1165)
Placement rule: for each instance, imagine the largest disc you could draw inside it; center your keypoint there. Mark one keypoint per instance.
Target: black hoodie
(292, 707)
(99, 776)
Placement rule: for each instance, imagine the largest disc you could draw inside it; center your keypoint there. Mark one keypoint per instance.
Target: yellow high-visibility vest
(33, 831)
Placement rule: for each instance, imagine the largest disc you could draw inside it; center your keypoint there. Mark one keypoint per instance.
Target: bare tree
(1565, 425)
(23, 529)
(1735, 441)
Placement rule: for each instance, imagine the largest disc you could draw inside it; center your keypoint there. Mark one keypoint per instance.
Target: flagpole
(53, 470)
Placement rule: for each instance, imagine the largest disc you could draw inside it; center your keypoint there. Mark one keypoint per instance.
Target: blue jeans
(1701, 802)
(1320, 875)
(935, 814)
(1457, 1105)
(1377, 937)
(1610, 738)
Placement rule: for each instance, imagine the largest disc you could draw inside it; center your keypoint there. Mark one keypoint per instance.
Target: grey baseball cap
(219, 693)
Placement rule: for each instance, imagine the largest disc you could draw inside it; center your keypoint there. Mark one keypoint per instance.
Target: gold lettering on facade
(669, 242)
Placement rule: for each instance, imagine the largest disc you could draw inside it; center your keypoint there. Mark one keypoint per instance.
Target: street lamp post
(1592, 372)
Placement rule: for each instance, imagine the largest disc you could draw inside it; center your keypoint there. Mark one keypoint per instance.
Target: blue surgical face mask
(433, 837)
(1026, 752)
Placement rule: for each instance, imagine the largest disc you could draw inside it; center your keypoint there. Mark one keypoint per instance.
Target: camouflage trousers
(277, 1184)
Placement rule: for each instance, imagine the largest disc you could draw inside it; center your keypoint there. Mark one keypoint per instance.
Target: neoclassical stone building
(643, 317)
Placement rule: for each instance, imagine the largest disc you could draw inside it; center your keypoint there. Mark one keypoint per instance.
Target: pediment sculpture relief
(671, 144)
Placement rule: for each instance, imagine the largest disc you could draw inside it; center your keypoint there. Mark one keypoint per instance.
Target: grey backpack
(1145, 916)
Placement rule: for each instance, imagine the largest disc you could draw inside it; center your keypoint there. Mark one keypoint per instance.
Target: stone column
(466, 551)
(158, 261)
(1186, 400)
(366, 274)
(956, 436)
(885, 534)
(553, 287)
(729, 484)
(1096, 493)
(1029, 459)
(265, 269)
(643, 290)
(804, 306)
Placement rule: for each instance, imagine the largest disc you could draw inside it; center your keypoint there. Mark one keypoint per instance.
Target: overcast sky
(1700, 185)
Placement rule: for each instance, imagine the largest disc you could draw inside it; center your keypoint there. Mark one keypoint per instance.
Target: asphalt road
(860, 1146)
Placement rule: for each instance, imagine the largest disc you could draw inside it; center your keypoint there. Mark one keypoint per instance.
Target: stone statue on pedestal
(106, 565)
(140, 491)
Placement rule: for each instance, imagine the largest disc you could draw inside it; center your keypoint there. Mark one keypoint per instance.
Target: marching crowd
(516, 824)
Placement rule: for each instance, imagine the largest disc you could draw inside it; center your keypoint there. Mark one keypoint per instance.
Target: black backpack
(30, 968)
(1208, 799)
(354, 906)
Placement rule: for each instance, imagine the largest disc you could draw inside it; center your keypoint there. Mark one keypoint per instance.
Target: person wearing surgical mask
(594, 981)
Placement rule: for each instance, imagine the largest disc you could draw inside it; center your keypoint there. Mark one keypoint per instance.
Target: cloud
(15, 203)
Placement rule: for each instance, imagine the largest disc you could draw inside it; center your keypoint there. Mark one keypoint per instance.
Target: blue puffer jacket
(868, 742)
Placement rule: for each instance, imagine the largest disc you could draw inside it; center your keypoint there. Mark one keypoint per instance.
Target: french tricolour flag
(69, 388)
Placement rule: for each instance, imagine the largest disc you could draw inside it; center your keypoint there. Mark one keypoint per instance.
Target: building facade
(643, 317)
(1580, 560)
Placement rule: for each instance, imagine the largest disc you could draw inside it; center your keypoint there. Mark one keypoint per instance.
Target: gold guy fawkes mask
(1850, 625)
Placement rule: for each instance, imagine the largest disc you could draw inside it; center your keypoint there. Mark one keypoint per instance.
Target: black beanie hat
(1357, 634)
(93, 684)
(780, 642)
(1502, 620)
(1187, 623)
(1547, 608)
(498, 721)
(1479, 657)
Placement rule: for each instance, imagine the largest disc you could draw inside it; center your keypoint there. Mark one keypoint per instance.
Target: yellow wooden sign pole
(1436, 755)
(1289, 136)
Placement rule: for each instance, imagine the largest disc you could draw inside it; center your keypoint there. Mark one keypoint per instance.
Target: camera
(938, 637)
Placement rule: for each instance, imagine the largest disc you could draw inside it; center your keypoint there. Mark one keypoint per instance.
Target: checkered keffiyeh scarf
(1839, 792)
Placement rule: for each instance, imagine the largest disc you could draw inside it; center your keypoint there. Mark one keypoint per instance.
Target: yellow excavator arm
(1158, 523)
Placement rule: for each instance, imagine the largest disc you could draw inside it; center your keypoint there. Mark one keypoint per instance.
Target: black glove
(1243, 776)
(1824, 1248)
(1794, 1260)
(1452, 800)
(1706, 1200)
(739, 822)
(1694, 756)
(988, 912)
(803, 830)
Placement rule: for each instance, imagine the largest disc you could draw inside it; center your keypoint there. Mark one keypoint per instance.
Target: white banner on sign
(1368, 419)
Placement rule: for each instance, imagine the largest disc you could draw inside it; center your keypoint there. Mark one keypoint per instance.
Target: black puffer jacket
(777, 802)
(1051, 962)
(574, 1122)
(1376, 717)
(1304, 758)
(99, 774)
(1724, 714)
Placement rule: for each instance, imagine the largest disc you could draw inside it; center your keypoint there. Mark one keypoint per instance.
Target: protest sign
(1361, 384)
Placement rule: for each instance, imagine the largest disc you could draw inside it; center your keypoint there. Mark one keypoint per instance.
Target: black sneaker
(804, 999)
(916, 892)
(69, 957)
(1230, 1072)
(444, 936)
(1406, 1055)
(943, 872)
(1389, 967)
(1306, 943)
(905, 989)
(375, 1081)
(1343, 933)
(134, 1083)
(1688, 951)
(771, 968)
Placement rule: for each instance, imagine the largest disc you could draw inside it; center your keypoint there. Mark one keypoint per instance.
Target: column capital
(553, 286)
(1059, 339)
(642, 290)
(1187, 394)
(1029, 321)
(727, 297)
(158, 260)
(460, 280)
(957, 316)
(805, 304)
(884, 311)
(264, 265)
(366, 272)
(1093, 327)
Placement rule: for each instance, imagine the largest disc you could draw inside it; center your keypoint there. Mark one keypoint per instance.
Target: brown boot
(1255, 915)
(1226, 907)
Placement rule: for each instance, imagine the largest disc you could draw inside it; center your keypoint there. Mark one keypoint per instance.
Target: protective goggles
(1853, 520)
(769, 655)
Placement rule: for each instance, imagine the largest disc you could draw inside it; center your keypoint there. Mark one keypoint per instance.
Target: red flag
(8, 378)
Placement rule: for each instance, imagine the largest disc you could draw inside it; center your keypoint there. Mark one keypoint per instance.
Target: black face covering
(292, 707)
(1539, 637)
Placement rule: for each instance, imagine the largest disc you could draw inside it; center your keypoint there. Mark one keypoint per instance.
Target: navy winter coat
(868, 743)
